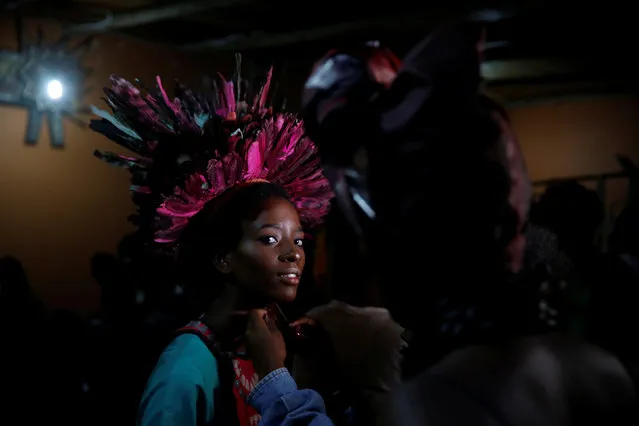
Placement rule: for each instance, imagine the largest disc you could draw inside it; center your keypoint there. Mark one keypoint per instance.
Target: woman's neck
(228, 313)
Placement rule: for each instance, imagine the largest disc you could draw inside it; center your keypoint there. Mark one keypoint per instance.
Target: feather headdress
(194, 147)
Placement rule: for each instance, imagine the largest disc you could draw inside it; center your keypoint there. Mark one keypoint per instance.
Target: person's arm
(171, 402)
(279, 401)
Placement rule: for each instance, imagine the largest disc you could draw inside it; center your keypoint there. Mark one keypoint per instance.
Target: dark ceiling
(534, 46)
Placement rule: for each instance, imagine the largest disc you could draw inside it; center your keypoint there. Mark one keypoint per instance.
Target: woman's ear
(222, 263)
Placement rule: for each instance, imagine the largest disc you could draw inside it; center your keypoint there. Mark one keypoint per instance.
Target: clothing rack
(584, 178)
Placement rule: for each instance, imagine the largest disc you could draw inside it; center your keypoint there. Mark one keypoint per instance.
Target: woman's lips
(290, 279)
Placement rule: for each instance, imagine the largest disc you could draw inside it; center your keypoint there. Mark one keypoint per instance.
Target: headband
(194, 147)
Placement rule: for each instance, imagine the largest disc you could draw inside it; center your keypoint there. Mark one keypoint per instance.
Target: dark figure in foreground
(22, 368)
(442, 142)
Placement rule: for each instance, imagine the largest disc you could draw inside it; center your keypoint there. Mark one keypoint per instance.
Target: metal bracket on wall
(47, 80)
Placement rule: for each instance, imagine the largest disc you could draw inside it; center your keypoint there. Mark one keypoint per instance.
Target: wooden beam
(113, 4)
(522, 95)
(420, 21)
(259, 40)
(155, 14)
(583, 178)
(518, 69)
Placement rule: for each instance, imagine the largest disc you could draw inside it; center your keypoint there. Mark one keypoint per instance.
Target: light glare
(54, 89)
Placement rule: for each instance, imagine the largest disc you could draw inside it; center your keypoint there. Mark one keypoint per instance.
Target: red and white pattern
(245, 381)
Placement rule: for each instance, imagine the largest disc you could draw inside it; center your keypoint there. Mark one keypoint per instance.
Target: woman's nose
(292, 255)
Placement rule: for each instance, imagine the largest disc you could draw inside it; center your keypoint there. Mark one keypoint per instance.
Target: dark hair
(570, 210)
(103, 264)
(217, 228)
(624, 237)
(13, 279)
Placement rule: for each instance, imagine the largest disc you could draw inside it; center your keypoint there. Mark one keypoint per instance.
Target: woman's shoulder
(188, 358)
(185, 378)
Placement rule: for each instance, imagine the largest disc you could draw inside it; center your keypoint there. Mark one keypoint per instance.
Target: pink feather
(259, 145)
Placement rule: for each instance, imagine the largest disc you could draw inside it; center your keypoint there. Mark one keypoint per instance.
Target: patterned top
(245, 381)
(181, 389)
(245, 377)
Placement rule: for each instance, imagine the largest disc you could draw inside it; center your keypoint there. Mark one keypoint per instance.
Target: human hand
(265, 343)
(305, 321)
(313, 339)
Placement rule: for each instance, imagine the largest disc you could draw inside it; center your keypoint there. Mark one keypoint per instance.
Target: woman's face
(269, 258)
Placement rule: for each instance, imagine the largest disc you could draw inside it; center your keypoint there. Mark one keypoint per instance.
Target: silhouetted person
(21, 358)
(17, 302)
(451, 199)
(111, 342)
(544, 274)
(66, 390)
(614, 317)
(573, 212)
(117, 298)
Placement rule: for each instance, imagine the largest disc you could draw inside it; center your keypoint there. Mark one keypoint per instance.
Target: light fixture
(55, 90)
(46, 78)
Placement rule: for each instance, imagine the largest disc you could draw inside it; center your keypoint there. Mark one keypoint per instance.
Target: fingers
(271, 324)
(260, 318)
(257, 318)
(303, 321)
(257, 314)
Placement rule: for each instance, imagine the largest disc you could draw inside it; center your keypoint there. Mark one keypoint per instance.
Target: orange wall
(60, 206)
(565, 139)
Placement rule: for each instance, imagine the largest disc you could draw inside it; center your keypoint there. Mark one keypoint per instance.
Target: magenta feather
(247, 143)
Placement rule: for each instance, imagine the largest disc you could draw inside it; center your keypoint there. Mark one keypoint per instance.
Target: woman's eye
(268, 240)
(299, 242)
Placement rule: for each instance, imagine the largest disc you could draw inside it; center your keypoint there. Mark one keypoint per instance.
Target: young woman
(232, 185)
